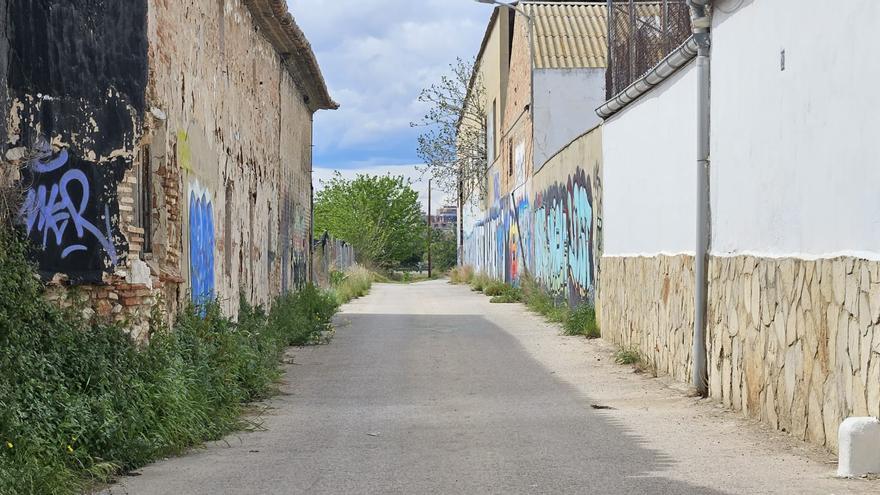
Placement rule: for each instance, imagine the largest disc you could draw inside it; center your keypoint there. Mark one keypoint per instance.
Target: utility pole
(430, 229)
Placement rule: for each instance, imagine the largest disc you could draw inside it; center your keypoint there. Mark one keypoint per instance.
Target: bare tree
(453, 144)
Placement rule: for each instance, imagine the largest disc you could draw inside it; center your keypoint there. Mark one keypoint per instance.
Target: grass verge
(80, 401)
(353, 283)
(461, 275)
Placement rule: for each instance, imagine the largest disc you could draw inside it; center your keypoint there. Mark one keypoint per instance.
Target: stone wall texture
(647, 303)
(796, 343)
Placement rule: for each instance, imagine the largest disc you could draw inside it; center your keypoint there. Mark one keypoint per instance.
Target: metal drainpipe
(701, 21)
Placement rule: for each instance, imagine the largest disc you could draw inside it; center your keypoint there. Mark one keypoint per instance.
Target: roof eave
(279, 27)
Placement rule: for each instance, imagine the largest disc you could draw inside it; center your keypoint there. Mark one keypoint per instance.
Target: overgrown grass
(537, 300)
(461, 275)
(495, 288)
(80, 401)
(508, 294)
(479, 282)
(352, 284)
(582, 321)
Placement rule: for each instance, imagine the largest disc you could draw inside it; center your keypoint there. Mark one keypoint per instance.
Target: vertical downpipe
(701, 25)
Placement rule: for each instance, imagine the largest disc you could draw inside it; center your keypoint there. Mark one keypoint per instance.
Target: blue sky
(376, 56)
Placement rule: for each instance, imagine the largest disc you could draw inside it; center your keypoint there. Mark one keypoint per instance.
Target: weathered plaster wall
(565, 104)
(492, 240)
(235, 143)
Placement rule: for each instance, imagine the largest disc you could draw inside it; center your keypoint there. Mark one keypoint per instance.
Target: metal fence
(330, 255)
(640, 34)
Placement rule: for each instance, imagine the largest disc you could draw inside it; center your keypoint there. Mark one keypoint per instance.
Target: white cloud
(376, 56)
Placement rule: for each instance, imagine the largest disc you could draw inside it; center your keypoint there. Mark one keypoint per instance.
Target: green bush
(80, 401)
(582, 321)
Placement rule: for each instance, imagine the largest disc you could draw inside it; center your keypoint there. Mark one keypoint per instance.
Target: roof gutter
(662, 71)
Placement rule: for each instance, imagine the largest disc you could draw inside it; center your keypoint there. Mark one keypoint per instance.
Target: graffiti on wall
(201, 244)
(69, 214)
(92, 117)
(549, 234)
(563, 238)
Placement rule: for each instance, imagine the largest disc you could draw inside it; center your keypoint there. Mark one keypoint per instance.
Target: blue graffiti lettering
(201, 246)
(50, 210)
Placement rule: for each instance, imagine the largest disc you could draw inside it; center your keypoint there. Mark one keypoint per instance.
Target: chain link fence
(640, 34)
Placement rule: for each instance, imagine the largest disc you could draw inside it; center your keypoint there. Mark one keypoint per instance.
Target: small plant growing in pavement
(582, 321)
(627, 356)
(539, 301)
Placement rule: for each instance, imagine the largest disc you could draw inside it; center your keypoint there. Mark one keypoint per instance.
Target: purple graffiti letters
(52, 210)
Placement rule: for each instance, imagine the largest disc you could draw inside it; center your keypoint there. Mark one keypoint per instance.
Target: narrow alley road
(428, 388)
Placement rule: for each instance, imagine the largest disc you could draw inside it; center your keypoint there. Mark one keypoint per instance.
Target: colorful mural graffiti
(201, 244)
(549, 234)
(564, 261)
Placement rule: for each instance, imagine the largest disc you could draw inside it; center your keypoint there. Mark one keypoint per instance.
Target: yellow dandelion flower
(9, 445)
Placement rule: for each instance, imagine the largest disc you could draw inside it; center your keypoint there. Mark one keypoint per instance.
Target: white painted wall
(650, 175)
(795, 153)
(565, 108)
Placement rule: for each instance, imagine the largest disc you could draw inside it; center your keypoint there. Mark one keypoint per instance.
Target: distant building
(446, 218)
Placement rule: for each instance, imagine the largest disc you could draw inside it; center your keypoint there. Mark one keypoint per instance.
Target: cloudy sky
(376, 56)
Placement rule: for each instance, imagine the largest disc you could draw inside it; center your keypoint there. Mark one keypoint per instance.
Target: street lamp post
(430, 229)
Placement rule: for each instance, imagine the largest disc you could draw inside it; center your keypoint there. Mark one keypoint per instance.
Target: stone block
(858, 440)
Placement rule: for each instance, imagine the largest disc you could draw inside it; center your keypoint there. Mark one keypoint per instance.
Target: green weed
(582, 321)
(80, 402)
(627, 356)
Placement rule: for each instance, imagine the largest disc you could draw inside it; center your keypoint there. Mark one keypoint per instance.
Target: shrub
(356, 283)
(81, 401)
(582, 321)
(461, 275)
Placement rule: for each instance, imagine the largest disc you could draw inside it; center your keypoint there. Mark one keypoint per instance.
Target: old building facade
(163, 148)
(540, 216)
